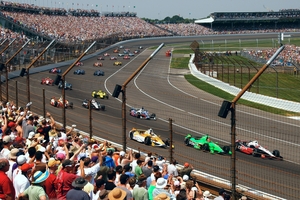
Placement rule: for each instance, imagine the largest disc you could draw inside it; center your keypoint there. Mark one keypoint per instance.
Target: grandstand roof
(206, 20)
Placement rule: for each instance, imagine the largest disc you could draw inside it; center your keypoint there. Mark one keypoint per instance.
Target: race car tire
(55, 104)
(255, 153)
(276, 153)
(226, 149)
(205, 147)
(236, 146)
(102, 107)
(147, 140)
(95, 95)
(131, 135)
(71, 105)
(187, 141)
(167, 142)
(106, 96)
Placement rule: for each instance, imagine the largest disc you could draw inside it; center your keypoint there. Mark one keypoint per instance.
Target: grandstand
(283, 19)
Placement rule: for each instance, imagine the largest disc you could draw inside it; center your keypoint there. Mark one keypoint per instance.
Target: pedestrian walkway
(253, 97)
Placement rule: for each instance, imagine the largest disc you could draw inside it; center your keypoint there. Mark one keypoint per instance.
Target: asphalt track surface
(164, 91)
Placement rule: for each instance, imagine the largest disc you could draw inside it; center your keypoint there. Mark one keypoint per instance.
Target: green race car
(101, 94)
(204, 143)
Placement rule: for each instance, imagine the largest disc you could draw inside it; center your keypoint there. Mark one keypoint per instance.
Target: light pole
(122, 89)
(23, 71)
(62, 78)
(230, 106)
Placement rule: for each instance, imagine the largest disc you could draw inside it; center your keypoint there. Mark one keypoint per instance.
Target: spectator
(99, 186)
(117, 194)
(110, 184)
(172, 169)
(21, 181)
(109, 162)
(7, 190)
(131, 184)
(222, 194)
(12, 161)
(119, 171)
(186, 170)
(77, 192)
(138, 168)
(66, 177)
(162, 187)
(6, 147)
(123, 186)
(27, 126)
(133, 164)
(152, 176)
(50, 181)
(20, 161)
(128, 170)
(206, 195)
(36, 191)
(147, 169)
(140, 192)
(125, 159)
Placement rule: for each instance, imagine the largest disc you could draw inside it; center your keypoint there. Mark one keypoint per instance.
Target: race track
(164, 91)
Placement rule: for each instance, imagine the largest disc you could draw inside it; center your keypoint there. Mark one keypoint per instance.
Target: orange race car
(98, 64)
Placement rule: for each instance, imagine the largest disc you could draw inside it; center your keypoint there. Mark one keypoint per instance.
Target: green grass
(270, 83)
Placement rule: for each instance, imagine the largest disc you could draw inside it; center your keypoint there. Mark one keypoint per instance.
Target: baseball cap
(6, 139)
(67, 163)
(60, 156)
(21, 159)
(122, 153)
(186, 164)
(31, 135)
(222, 191)
(27, 166)
(52, 162)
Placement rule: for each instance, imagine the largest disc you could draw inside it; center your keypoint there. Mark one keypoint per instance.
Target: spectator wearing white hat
(206, 195)
(30, 139)
(6, 140)
(12, 160)
(21, 159)
(162, 187)
(125, 159)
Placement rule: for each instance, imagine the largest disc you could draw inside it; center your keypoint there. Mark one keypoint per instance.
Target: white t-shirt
(96, 196)
(133, 164)
(21, 183)
(91, 171)
(172, 170)
(9, 172)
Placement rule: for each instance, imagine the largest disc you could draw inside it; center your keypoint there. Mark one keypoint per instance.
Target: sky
(159, 9)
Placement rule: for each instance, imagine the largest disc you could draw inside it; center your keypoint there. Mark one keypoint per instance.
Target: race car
(116, 50)
(255, 149)
(68, 86)
(100, 58)
(94, 104)
(126, 57)
(98, 64)
(136, 51)
(117, 63)
(131, 54)
(79, 64)
(141, 113)
(120, 54)
(55, 70)
(148, 137)
(99, 73)
(47, 81)
(204, 143)
(113, 58)
(101, 94)
(106, 54)
(79, 72)
(59, 103)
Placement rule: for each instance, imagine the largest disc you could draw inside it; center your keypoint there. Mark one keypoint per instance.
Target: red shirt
(67, 183)
(6, 186)
(50, 187)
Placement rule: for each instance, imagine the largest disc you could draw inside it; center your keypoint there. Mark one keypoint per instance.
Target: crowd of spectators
(290, 54)
(39, 160)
